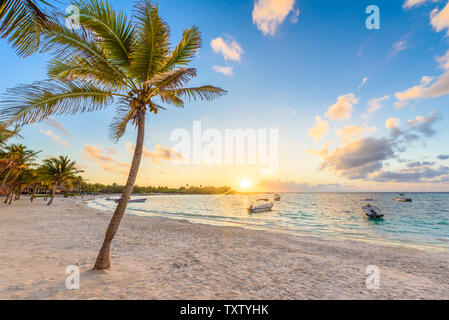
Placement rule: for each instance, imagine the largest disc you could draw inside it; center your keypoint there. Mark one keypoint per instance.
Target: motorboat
(277, 197)
(372, 212)
(402, 198)
(261, 205)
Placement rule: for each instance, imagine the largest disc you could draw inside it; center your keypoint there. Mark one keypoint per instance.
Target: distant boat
(277, 197)
(372, 212)
(261, 205)
(401, 198)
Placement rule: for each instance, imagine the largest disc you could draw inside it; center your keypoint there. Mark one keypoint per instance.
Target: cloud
(54, 137)
(440, 19)
(319, 130)
(58, 126)
(357, 159)
(424, 125)
(107, 163)
(343, 107)
(415, 92)
(364, 80)
(412, 3)
(398, 47)
(160, 153)
(443, 157)
(375, 104)
(228, 71)
(393, 124)
(415, 174)
(291, 186)
(269, 14)
(230, 49)
(350, 133)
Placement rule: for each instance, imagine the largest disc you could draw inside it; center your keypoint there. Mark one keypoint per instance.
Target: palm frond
(124, 115)
(82, 69)
(22, 22)
(65, 43)
(169, 97)
(151, 47)
(184, 52)
(199, 93)
(113, 30)
(36, 102)
(173, 79)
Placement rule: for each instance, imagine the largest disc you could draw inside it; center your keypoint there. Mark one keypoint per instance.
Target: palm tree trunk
(7, 196)
(12, 196)
(33, 193)
(52, 194)
(103, 261)
(5, 179)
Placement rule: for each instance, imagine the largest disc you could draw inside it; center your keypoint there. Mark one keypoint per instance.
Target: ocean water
(421, 223)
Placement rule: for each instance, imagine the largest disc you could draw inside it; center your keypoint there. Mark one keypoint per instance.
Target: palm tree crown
(110, 59)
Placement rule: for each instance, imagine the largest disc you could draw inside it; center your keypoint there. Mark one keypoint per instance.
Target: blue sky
(314, 53)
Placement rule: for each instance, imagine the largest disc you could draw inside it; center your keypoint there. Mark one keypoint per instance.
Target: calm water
(425, 221)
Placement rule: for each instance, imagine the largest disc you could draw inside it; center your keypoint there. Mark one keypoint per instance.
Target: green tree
(22, 23)
(111, 59)
(59, 170)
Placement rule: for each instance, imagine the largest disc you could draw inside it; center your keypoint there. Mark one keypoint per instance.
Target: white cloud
(230, 49)
(412, 3)
(229, 71)
(54, 137)
(415, 92)
(351, 133)
(269, 14)
(364, 80)
(375, 104)
(398, 47)
(343, 107)
(319, 130)
(440, 19)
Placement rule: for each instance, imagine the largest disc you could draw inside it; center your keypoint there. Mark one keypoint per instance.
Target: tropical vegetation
(109, 60)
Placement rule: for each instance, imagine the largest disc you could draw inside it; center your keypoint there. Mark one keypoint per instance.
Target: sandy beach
(157, 258)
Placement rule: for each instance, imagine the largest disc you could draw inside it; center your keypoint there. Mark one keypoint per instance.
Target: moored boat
(402, 198)
(372, 212)
(277, 197)
(261, 205)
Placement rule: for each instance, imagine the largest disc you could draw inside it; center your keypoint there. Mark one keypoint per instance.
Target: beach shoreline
(161, 258)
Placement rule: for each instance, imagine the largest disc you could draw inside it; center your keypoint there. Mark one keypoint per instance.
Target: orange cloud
(107, 163)
(343, 107)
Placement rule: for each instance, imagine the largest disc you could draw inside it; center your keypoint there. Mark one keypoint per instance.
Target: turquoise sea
(423, 222)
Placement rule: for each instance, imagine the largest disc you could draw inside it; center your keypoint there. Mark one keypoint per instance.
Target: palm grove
(109, 60)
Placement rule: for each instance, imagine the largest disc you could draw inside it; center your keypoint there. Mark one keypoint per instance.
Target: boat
(133, 200)
(401, 198)
(277, 197)
(372, 212)
(261, 205)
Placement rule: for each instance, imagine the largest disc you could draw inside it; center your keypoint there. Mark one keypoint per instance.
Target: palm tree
(59, 170)
(111, 59)
(22, 23)
(19, 158)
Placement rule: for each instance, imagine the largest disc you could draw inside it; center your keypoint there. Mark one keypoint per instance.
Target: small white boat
(401, 198)
(261, 205)
(372, 212)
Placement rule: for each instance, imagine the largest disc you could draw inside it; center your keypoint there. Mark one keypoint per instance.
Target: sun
(245, 184)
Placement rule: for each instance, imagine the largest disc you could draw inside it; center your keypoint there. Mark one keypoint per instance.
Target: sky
(353, 109)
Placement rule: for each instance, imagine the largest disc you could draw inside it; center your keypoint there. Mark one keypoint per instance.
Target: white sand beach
(157, 258)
